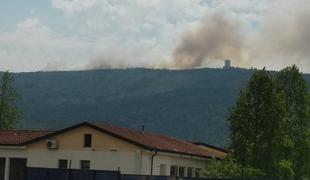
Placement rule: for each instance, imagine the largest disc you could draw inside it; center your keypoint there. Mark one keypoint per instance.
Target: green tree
(285, 170)
(290, 82)
(256, 125)
(228, 168)
(9, 113)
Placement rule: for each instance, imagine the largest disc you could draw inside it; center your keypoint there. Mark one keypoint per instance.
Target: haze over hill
(189, 104)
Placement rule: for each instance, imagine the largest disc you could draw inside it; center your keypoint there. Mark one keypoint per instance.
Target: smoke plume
(216, 38)
(280, 40)
(55, 66)
(115, 57)
(283, 40)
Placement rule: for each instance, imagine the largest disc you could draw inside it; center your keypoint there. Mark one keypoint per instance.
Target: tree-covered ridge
(190, 104)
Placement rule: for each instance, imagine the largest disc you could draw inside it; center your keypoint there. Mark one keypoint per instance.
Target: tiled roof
(149, 141)
(160, 143)
(18, 137)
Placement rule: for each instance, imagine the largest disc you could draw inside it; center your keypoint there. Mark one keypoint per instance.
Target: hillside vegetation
(188, 104)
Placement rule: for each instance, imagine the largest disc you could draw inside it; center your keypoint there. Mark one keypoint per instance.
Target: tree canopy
(255, 124)
(270, 128)
(291, 84)
(9, 112)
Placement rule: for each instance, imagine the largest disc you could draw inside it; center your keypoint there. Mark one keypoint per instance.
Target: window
(2, 168)
(189, 172)
(17, 168)
(163, 168)
(62, 164)
(87, 140)
(181, 171)
(173, 170)
(85, 164)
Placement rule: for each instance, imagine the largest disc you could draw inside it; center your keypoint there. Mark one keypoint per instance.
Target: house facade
(101, 147)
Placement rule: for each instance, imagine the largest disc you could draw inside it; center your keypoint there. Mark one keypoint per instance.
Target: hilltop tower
(227, 64)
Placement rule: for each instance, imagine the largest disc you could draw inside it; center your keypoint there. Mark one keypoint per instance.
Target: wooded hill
(188, 104)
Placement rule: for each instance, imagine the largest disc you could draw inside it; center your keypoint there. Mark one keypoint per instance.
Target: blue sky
(13, 11)
(83, 34)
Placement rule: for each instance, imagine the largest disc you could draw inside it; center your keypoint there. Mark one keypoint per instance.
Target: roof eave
(12, 146)
(187, 154)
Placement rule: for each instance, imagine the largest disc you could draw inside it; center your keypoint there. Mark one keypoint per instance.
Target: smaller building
(102, 147)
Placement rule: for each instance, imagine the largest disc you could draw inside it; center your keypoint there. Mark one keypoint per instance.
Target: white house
(101, 147)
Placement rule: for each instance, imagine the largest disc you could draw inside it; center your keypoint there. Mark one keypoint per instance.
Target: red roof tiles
(18, 137)
(160, 142)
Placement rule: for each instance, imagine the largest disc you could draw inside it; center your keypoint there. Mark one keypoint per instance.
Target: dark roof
(211, 146)
(149, 141)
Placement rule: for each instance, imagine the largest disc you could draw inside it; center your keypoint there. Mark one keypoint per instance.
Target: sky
(49, 35)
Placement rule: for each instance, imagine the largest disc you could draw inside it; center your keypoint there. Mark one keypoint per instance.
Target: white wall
(138, 162)
(177, 160)
(101, 160)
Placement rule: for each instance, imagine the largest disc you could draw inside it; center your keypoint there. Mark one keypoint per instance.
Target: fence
(75, 174)
(69, 174)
